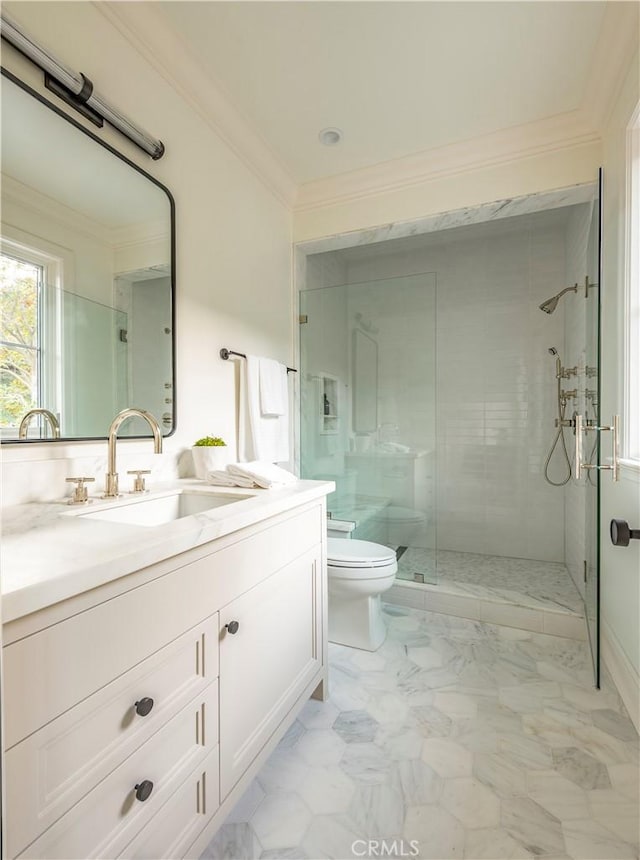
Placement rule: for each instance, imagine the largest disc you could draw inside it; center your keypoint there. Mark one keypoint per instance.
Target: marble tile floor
(456, 739)
(519, 581)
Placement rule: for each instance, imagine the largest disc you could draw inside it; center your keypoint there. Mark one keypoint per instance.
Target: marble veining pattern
(493, 211)
(476, 741)
(535, 584)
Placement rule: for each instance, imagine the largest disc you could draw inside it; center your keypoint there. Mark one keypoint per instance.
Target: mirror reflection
(86, 304)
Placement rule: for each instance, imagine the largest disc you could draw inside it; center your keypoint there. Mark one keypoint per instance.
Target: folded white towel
(265, 475)
(274, 394)
(222, 478)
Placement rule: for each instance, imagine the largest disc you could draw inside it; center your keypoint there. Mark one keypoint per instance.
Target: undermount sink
(166, 509)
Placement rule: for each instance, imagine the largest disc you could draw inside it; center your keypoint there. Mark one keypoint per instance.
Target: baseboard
(625, 676)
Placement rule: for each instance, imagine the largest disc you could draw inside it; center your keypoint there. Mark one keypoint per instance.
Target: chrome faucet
(111, 478)
(51, 418)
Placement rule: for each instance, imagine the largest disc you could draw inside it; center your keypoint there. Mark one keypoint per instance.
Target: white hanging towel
(265, 475)
(260, 437)
(274, 392)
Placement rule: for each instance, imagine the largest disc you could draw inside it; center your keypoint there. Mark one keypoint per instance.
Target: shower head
(552, 350)
(551, 304)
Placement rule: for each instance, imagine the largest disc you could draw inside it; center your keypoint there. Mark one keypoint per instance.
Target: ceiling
(398, 78)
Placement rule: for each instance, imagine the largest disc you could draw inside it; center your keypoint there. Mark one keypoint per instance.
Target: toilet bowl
(358, 573)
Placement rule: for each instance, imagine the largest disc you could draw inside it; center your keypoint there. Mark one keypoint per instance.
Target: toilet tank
(339, 528)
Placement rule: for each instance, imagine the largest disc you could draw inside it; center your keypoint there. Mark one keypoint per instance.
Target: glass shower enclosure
(368, 418)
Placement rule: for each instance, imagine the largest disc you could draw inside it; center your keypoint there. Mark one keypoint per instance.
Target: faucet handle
(139, 484)
(80, 494)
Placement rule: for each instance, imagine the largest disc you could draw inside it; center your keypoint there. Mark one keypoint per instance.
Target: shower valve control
(567, 372)
(621, 534)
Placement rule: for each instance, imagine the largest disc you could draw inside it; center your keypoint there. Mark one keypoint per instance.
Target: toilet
(358, 572)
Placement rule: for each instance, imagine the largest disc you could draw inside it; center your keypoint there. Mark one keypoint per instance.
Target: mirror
(365, 383)
(86, 278)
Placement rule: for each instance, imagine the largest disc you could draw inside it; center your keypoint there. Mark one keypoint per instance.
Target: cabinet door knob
(233, 626)
(143, 706)
(621, 534)
(144, 789)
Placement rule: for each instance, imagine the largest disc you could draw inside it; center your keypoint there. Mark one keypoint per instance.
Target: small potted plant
(209, 453)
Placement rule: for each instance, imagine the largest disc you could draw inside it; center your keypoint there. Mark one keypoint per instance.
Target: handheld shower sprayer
(553, 351)
(560, 423)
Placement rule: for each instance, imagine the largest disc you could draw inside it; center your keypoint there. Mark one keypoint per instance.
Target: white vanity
(149, 671)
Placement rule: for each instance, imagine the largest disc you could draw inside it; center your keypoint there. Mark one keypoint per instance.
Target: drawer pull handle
(144, 789)
(233, 626)
(143, 706)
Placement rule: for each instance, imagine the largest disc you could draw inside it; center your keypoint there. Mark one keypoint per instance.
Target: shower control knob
(233, 626)
(621, 534)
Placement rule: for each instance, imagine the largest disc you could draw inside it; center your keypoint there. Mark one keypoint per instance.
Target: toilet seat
(359, 559)
(358, 553)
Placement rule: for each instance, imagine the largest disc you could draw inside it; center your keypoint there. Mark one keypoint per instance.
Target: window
(631, 439)
(28, 281)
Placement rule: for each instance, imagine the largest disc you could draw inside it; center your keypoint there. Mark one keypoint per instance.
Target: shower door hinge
(584, 570)
(303, 318)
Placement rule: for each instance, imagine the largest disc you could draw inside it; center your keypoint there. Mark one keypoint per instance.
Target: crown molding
(78, 223)
(38, 203)
(615, 50)
(133, 235)
(555, 133)
(146, 31)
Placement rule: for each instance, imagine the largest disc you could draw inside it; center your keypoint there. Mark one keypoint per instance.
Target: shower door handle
(614, 429)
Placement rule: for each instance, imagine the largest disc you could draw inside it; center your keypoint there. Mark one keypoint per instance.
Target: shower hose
(562, 405)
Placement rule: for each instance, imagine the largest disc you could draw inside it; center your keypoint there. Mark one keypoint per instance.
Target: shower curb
(433, 599)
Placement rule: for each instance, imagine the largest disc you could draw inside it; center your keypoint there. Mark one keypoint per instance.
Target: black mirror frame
(57, 110)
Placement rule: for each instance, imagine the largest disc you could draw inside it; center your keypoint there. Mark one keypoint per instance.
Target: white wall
(495, 398)
(233, 237)
(620, 589)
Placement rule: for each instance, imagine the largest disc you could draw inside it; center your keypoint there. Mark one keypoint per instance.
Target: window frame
(49, 322)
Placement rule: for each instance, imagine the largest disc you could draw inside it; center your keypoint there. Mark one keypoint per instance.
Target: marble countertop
(49, 555)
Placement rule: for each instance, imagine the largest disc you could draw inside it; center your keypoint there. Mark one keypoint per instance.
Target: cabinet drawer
(49, 672)
(110, 816)
(177, 824)
(55, 767)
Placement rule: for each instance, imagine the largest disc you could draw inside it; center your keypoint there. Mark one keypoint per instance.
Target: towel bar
(225, 353)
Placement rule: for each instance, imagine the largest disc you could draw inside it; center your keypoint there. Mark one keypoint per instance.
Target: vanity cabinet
(135, 714)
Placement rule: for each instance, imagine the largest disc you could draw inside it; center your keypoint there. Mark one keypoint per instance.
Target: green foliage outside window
(19, 347)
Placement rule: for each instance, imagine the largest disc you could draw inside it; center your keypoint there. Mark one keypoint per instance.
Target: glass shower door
(367, 420)
(592, 437)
